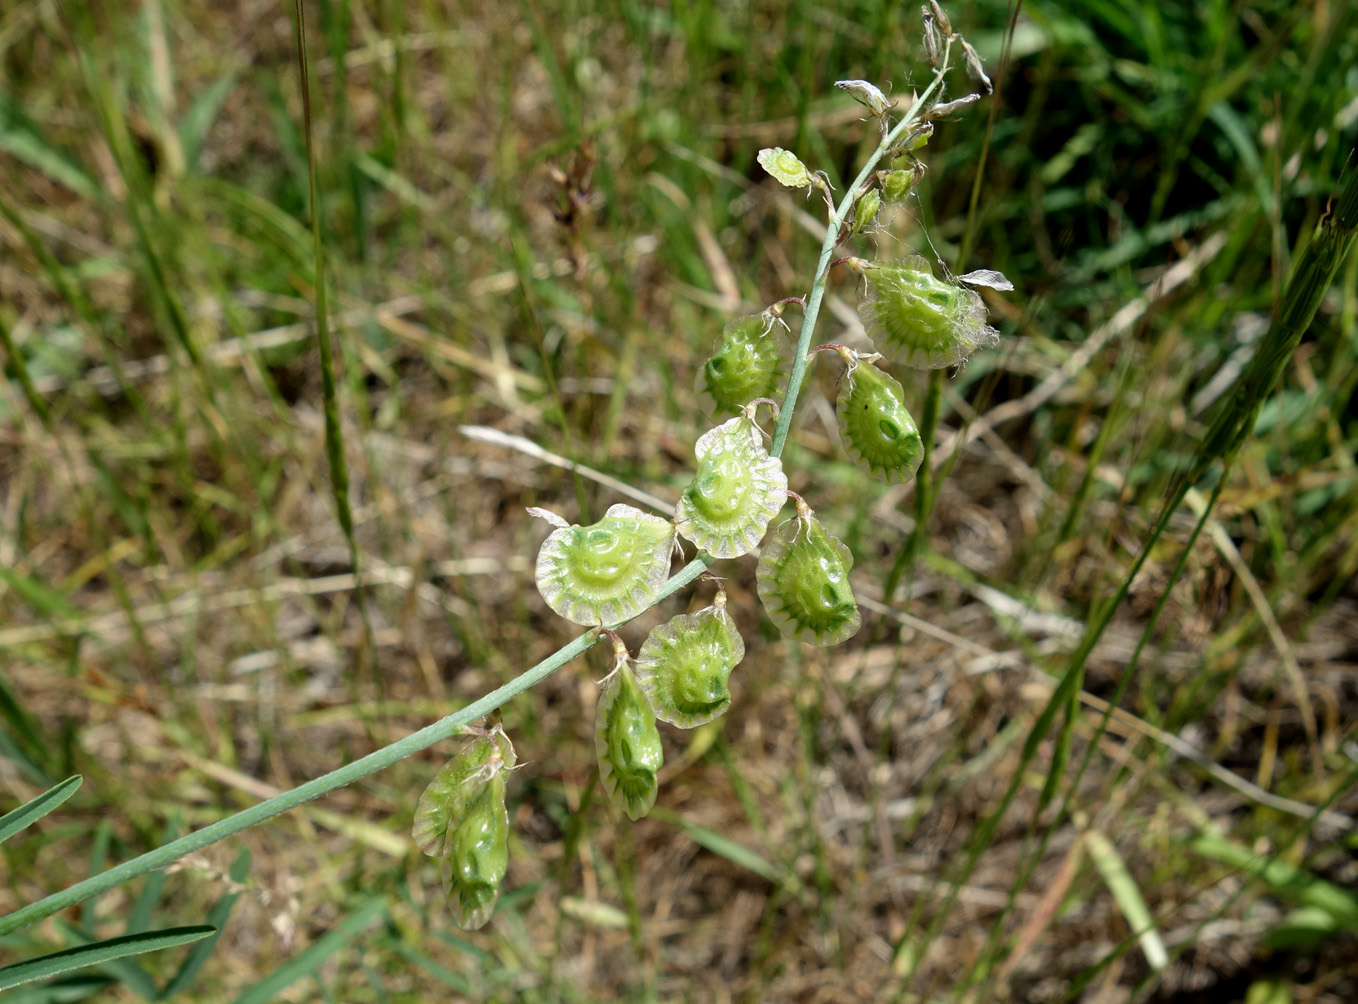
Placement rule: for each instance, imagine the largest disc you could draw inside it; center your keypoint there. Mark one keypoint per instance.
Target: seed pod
(726, 509)
(896, 185)
(925, 321)
(627, 743)
(785, 167)
(866, 210)
(607, 572)
(684, 665)
(803, 579)
(745, 366)
(876, 425)
(461, 819)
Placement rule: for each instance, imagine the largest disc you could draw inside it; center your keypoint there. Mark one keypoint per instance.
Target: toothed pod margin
(607, 572)
(684, 665)
(877, 427)
(461, 819)
(921, 321)
(726, 509)
(803, 580)
(745, 365)
(627, 744)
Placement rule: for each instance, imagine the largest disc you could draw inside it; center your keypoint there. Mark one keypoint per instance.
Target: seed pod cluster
(461, 819)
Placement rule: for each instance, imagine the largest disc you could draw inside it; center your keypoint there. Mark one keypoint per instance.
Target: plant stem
(827, 250)
(348, 774)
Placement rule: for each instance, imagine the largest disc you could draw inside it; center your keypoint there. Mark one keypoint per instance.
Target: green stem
(454, 723)
(827, 250)
(348, 774)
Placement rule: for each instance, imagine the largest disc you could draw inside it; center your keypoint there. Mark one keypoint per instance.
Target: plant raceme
(603, 574)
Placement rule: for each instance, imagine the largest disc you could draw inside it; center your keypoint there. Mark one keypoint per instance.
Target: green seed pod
(462, 820)
(784, 166)
(876, 425)
(684, 665)
(745, 366)
(607, 572)
(737, 490)
(627, 743)
(803, 580)
(896, 185)
(867, 209)
(931, 323)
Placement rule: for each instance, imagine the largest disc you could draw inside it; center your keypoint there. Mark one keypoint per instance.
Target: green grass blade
(34, 809)
(310, 960)
(140, 918)
(103, 835)
(1128, 896)
(103, 951)
(121, 970)
(202, 951)
(1284, 878)
(737, 854)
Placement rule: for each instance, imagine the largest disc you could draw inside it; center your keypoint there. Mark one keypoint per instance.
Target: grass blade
(1128, 896)
(34, 809)
(310, 960)
(102, 951)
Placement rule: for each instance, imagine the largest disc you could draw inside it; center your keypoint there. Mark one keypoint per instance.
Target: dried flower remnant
(737, 490)
(626, 740)
(921, 321)
(607, 572)
(461, 819)
(803, 581)
(684, 665)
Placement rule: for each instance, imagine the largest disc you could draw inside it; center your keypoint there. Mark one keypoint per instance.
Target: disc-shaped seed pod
(922, 321)
(461, 819)
(803, 580)
(685, 664)
(745, 365)
(608, 571)
(627, 744)
(877, 427)
(726, 509)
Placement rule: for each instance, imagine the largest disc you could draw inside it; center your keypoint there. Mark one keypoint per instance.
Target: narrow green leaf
(309, 961)
(101, 951)
(121, 970)
(197, 120)
(737, 854)
(98, 852)
(22, 139)
(202, 951)
(1128, 896)
(34, 809)
(67, 990)
(1283, 878)
(41, 598)
(140, 918)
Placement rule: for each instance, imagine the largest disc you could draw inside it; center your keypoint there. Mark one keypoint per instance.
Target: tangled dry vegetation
(536, 235)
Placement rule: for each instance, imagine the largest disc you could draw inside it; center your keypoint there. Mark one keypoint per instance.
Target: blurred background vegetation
(536, 218)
